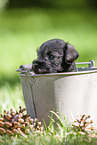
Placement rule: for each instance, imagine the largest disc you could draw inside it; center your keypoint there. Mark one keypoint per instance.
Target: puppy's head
(55, 56)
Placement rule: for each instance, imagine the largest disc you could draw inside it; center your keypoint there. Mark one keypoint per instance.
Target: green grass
(57, 133)
(22, 31)
(11, 97)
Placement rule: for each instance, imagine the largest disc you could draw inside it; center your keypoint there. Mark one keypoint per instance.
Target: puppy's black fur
(55, 56)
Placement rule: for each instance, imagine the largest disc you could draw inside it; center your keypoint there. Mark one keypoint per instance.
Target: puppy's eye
(51, 57)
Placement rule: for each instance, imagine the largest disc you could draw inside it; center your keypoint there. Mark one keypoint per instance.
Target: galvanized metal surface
(77, 95)
(70, 93)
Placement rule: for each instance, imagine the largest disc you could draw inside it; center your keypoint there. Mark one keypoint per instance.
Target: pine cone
(13, 122)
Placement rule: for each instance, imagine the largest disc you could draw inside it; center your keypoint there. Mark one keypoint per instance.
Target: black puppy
(54, 56)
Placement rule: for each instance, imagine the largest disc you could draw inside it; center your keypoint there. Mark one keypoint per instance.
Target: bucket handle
(91, 63)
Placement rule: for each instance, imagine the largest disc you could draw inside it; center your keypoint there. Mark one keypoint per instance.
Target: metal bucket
(70, 93)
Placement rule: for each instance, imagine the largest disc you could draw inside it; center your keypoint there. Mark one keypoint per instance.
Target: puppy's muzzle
(40, 67)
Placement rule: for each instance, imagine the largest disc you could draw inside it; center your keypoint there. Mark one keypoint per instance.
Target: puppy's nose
(38, 62)
(35, 62)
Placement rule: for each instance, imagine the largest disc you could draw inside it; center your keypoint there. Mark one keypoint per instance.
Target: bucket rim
(80, 71)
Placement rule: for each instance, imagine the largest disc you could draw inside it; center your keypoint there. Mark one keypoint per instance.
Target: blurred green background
(26, 24)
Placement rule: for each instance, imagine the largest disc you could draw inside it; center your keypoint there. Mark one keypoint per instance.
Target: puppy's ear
(70, 54)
